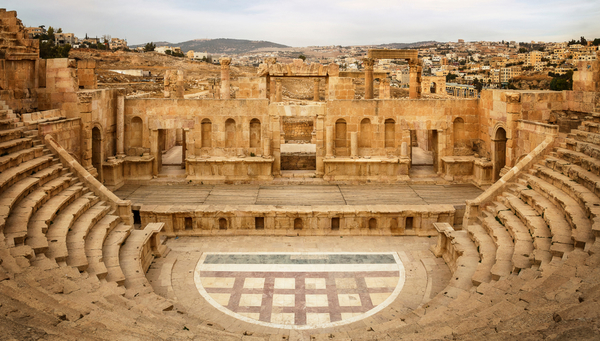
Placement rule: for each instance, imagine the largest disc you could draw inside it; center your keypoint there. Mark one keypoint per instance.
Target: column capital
(225, 62)
(368, 63)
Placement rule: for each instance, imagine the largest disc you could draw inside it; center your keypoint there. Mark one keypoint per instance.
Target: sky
(318, 22)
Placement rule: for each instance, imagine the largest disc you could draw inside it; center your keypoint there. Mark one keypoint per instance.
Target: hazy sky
(312, 22)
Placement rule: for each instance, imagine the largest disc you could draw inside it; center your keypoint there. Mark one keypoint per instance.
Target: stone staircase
(526, 268)
(64, 267)
(536, 274)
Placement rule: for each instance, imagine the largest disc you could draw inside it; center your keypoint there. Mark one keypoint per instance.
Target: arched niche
(230, 133)
(255, 133)
(206, 126)
(365, 135)
(390, 133)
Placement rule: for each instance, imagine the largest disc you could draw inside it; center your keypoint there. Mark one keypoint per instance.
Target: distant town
(476, 65)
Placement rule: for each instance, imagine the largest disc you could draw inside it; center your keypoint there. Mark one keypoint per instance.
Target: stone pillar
(316, 96)
(167, 84)
(354, 144)
(183, 148)
(278, 94)
(179, 89)
(328, 142)
(225, 62)
(368, 64)
(404, 149)
(190, 147)
(414, 86)
(154, 150)
(272, 89)
(266, 147)
(320, 142)
(384, 89)
(121, 124)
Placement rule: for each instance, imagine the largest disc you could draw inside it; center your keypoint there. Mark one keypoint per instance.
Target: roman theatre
(248, 216)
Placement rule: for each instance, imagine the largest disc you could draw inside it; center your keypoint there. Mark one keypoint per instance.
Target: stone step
(582, 176)
(535, 224)
(94, 245)
(548, 201)
(585, 136)
(110, 252)
(487, 251)
(504, 246)
(15, 229)
(44, 216)
(15, 145)
(523, 243)
(17, 157)
(18, 191)
(11, 134)
(570, 193)
(76, 237)
(11, 176)
(136, 282)
(585, 161)
(60, 226)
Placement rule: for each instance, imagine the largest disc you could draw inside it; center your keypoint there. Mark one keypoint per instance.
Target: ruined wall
(340, 88)
(86, 74)
(251, 87)
(19, 64)
(61, 86)
(406, 115)
(66, 132)
(298, 129)
(220, 137)
(97, 108)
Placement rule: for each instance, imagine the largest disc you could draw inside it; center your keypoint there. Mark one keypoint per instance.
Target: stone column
(183, 148)
(266, 147)
(272, 89)
(368, 64)
(354, 144)
(329, 142)
(225, 62)
(316, 96)
(154, 150)
(121, 124)
(278, 94)
(384, 89)
(414, 86)
(404, 149)
(179, 89)
(190, 147)
(167, 84)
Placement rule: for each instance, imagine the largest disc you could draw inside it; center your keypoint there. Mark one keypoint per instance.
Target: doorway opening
(499, 152)
(97, 151)
(423, 153)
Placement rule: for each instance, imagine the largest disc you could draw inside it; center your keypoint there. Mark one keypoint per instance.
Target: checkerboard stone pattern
(299, 290)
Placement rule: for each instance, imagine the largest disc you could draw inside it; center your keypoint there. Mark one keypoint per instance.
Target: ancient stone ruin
(325, 219)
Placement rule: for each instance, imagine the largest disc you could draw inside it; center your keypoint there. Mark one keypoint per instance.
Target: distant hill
(221, 45)
(407, 45)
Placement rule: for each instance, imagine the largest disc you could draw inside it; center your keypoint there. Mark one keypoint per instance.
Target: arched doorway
(97, 151)
(433, 88)
(499, 152)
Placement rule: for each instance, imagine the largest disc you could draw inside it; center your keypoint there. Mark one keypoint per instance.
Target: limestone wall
(203, 220)
(97, 109)
(227, 124)
(251, 87)
(405, 115)
(67, 133)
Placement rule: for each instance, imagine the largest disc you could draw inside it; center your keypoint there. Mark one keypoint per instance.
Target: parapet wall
(390, 220)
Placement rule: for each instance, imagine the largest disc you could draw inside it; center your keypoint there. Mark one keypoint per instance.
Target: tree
(562, 82)
(583, 41)
(149, 47)
(59, 30)
(50, 33)
(523, 50)
(450, 77)
(303, 57)
(596, 42)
